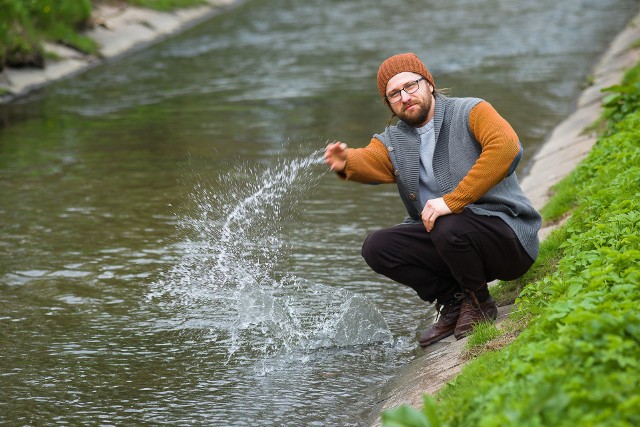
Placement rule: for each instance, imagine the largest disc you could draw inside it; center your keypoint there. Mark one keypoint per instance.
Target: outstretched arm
(369, 165)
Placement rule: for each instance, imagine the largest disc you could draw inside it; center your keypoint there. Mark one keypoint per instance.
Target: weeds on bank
(26, 24)
(624, 98)
(492, 337)
(403, 416)
(576, 362)
(485, 337)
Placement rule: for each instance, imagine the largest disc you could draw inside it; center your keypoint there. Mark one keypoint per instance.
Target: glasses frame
(404, 89)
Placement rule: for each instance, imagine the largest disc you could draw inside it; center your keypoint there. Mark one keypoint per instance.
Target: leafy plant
(406, 416)
(623, 98)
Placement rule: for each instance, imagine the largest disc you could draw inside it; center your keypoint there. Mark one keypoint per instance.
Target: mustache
(406, 106)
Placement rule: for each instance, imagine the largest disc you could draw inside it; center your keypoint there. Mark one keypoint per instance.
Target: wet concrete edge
(566, 146)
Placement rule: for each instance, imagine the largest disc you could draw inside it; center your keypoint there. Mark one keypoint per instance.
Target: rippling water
(171, 249)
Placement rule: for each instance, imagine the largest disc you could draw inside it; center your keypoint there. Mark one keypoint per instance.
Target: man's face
(415, 109)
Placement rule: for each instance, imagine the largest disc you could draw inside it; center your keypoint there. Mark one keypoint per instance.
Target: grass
(483, 334)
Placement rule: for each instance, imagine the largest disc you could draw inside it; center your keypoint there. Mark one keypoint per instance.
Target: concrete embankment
(117, 30)
(566, 146)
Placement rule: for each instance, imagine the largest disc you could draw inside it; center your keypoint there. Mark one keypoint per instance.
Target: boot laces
(442, 309)
(474, 299)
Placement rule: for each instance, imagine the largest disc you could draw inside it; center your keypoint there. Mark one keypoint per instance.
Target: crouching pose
(469, 222)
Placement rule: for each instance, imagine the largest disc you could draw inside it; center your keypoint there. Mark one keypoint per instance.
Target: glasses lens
(411, 87)
(394, 97)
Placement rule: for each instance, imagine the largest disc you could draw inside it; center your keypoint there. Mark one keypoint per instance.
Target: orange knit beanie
(398, 64)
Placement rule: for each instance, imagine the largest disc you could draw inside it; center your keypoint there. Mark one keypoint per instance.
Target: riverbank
(118, 29)
(568, 144)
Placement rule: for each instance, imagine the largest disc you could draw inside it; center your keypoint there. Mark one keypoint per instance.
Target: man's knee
(371, 248)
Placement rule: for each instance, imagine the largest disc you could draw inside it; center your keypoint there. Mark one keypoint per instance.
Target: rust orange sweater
(497, 139)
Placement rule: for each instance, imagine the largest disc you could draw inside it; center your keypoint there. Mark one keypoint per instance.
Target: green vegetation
(404, 416)
(484, 332)
(26, 24)
(576, 362)
(624, 98)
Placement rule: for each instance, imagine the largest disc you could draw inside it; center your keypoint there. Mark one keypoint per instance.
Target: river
(172, 250)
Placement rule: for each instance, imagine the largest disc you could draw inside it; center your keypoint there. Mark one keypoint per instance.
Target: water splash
(230, 283)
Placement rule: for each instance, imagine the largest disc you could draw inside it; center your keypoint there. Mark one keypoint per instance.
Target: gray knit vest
(455, 153)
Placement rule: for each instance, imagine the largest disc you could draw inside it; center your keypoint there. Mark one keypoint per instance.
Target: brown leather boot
(472, 312)
(447, 319)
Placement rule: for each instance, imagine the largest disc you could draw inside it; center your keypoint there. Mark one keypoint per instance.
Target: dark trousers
(462, 251)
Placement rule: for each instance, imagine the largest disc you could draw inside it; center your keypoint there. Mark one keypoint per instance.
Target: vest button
(396, 172)
(412, 197)
(390, 148)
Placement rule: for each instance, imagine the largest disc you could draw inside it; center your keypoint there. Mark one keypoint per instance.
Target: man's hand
(433, 209)
(335, 155)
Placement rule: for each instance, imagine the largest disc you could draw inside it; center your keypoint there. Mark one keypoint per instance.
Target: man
(469, 221)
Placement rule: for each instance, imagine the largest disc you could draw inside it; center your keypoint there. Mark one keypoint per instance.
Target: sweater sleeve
(500, 146)
(369, 165)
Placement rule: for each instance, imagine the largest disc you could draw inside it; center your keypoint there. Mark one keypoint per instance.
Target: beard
(418, 116)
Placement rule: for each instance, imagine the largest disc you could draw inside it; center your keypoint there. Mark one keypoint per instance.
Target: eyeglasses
(409, 88)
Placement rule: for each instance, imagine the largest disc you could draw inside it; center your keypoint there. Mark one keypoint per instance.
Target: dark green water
(171, 252)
